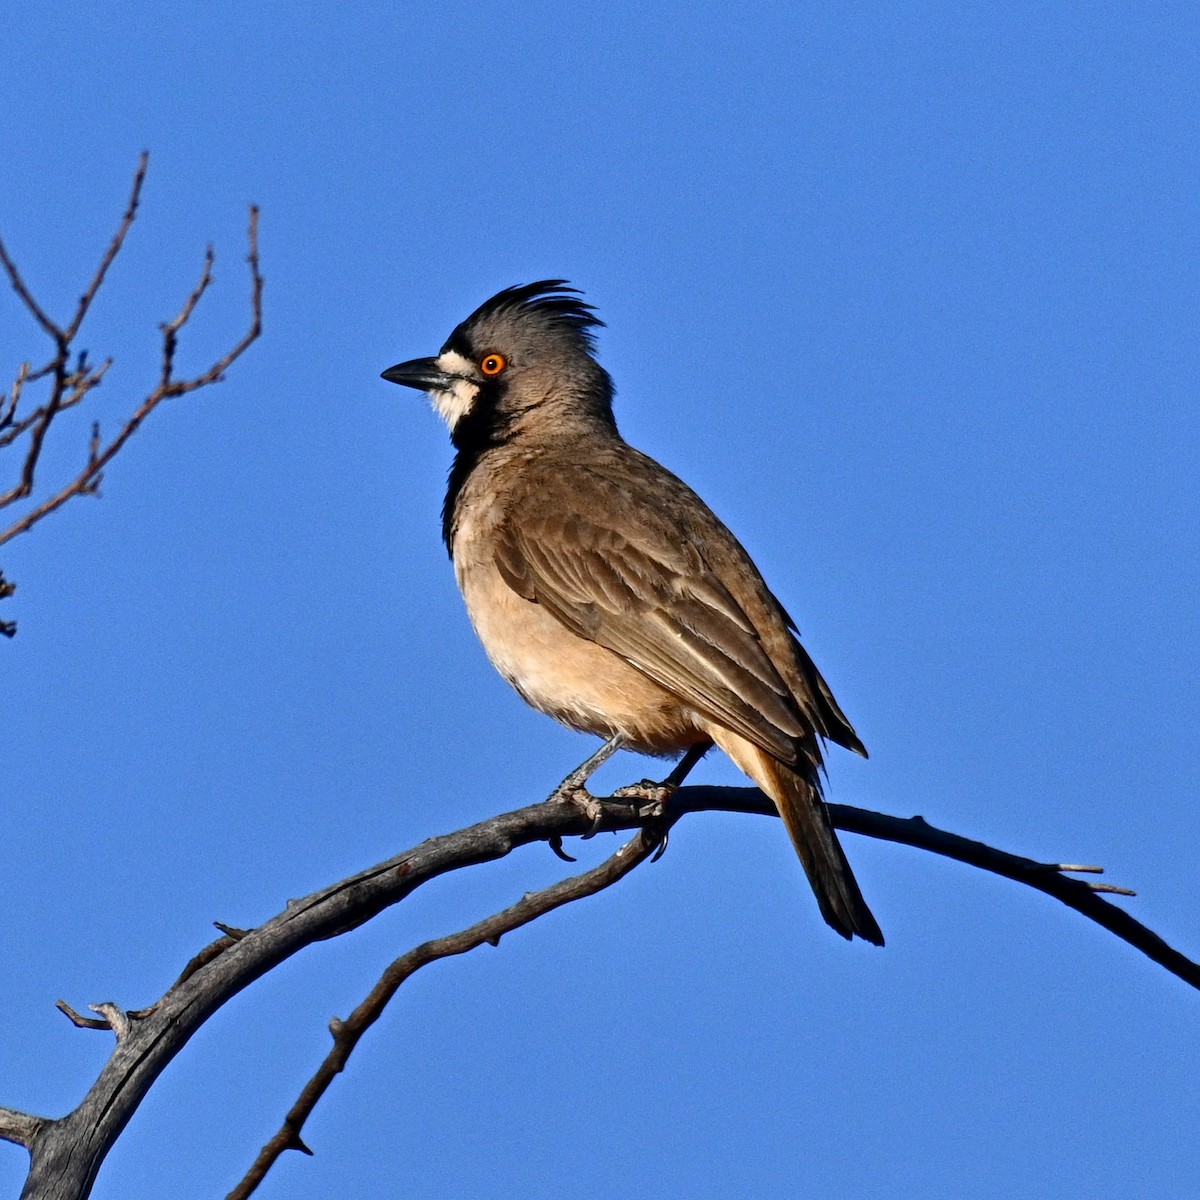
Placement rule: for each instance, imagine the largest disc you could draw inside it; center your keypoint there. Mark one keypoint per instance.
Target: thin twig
(78, 1019)
(18, 285)
(170, 329)
(1079, 894)
(9, 403)
(63, 338)
(99, 459)
(80, 387)
(198, 960)
(117, 1018)
(114, 248)
(348, 1033)
(24, 485)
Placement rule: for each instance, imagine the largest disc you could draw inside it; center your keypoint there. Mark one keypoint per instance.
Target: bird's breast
(580, 683)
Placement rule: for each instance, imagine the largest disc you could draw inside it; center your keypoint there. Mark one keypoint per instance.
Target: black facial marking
(548, 307)
(476, 432)
(459, 341)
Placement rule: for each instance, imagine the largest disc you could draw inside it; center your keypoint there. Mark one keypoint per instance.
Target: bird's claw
(555, 844)
(648, 799)
(662, 846)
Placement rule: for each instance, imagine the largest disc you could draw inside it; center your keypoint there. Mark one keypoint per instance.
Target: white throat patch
(454, 404)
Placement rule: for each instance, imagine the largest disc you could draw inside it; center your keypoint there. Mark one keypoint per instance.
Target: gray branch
(21, 1128)
(66, 1153)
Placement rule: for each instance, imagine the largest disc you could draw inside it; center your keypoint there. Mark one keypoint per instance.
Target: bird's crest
(553, 300)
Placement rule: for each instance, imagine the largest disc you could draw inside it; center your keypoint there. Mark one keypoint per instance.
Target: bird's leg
(573, 789)
(578, 778)
(683, 768)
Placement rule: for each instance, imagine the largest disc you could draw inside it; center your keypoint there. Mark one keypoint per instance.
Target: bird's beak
(424, 374)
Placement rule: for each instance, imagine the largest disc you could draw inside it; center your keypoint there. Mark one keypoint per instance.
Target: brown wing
(634, 576)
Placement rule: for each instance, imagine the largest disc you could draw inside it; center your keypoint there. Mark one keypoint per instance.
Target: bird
(605, 590)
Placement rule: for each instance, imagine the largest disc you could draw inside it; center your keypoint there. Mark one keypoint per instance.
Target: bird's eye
(492, 364)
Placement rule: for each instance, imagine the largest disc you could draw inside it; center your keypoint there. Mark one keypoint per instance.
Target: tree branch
(19, 1127)
(99, 457)
(66, 1153)
(114, 248)
(18, 286)
(62, 338)
(70, 386)
(13, 429)
(348, 1033)
(1052, 878)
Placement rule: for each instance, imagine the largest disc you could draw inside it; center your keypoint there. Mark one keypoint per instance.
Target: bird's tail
(807, 821)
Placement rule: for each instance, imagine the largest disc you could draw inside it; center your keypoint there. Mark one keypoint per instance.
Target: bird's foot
(591, 808)
(573, 790)
(654, 795)
(578, 797)
(650, 796)
(648, 800)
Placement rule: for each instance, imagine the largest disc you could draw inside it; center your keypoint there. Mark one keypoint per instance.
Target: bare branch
(9, 404)
(348, 1033)
(915, 831)
(218, 369)
(63, 337)
(98, 458)
(194, 964)
(171, 329)
(78, 1019)
(18, 285)
(67, 1153)
(81, 384)
(114, 248)
(114, 1016)
(20, 1128)
(1079, 894)
(46, 414)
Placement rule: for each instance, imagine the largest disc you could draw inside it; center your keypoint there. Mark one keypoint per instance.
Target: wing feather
(658, 605)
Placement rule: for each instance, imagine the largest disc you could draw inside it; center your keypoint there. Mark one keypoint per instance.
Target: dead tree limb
(348, 1033)
(71, 379)
(66, 1152)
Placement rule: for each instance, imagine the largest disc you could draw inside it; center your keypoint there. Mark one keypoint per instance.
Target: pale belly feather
(577, 682)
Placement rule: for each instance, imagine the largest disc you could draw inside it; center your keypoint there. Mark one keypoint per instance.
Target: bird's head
(525, 354)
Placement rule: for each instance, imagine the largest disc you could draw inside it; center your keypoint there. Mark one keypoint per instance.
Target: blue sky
(910, 294)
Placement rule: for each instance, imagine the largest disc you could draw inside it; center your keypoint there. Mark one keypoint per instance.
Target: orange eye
(492, 364)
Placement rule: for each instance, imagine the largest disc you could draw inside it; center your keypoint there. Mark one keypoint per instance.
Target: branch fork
(71, 385)
(111, 1016)
(72, 1147)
